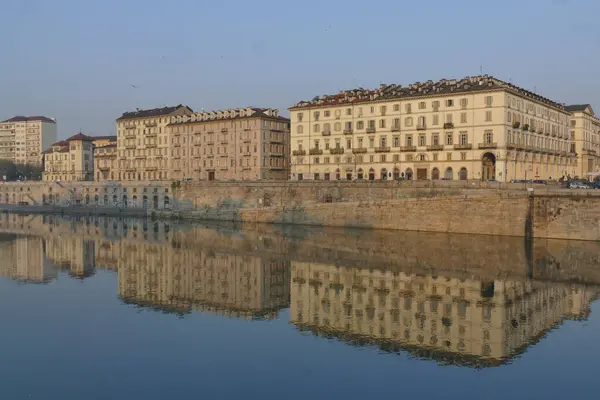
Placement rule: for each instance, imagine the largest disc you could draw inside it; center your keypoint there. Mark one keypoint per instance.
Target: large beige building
(23, 139)
(585, 139)
(105, 158)
(70, 160)
(473, 128)
(236, 144)
(143, 143)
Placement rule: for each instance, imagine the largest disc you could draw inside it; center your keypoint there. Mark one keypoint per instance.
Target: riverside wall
(449, 207)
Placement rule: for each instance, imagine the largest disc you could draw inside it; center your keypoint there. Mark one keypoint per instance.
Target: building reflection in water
(472, 301)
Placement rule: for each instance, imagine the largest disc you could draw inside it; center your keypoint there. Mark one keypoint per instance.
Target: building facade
(143, 143)
(23, 139)
(474, 128)
(105, 158)
(585, 139)
(70, 160)
(236, 144)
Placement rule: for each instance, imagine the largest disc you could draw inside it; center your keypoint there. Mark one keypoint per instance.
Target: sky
(77, 60)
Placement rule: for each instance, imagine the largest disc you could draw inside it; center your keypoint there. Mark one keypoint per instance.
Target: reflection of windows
(487, 312)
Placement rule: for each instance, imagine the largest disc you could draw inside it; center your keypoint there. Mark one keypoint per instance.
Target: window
(488, 116)
(371, 124)
(396, 141)
(382, 123)
(299, 129)
(463, 156)
(436, 120)
(300, 116)
(408, 108)
(421, 122)
(360, 143)
(464, 139)
(422, 140)
(327, 145)
(316, 115)
(422, 105)
(463, 103)
(449, 118)
(396, 107)
(316, 144)
(463, 118)
(449, 137)
(435, 139)
(348, 111)
(337, 127)
(327, 127)
(449, 156)
(325, 160)
(316, 128)
(316, 160)
(348, 126)
(488, 137)
(383, 110)
(509, 116)
(409, 140)
(409, 157)
(450, 103)
(360, 125)
(435, 105)
(488, 101)
(382, 158)
(408, 121)
(348, 143)
(371, 142)
(327, 114)
(435, 156)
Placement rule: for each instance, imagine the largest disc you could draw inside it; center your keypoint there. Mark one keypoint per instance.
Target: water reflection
(461, 300)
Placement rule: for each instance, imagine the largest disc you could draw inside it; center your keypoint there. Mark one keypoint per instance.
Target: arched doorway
(337, 174)
(134, 201)
(449, 174)
(155, 201)
(145, 201)
(435, 174)
(124, 200)
(409, 173)
(360, 174)
(383, 174)
(396, 173)
(462, 174)
(115, 200)
(371, 174)
(488, 167)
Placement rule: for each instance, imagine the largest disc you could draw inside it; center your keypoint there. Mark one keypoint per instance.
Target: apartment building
(236, 144)
(143, 143)
(23, 139)
(585, 139)
(477, 128)
(105, 158)
(70, 160)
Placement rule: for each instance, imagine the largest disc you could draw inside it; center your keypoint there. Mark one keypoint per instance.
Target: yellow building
(23, 139)
(70, 160)
(143, 143)
(237, 144)
(466, 322)
(585, 139)
(105, 158)
(473, 128)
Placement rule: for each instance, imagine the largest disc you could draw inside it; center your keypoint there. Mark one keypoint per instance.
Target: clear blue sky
(77, 59)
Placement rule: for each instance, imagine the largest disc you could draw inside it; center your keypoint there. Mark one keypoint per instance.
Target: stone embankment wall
(452, 207)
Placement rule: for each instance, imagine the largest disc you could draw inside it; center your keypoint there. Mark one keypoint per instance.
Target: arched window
(449, 174)
(462, 174)
(435, 174)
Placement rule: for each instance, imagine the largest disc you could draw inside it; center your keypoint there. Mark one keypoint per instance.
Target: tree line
(11, 171)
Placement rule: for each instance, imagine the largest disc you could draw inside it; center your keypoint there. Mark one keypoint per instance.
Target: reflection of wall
(74, 253)
(464, 321)
(23, 259)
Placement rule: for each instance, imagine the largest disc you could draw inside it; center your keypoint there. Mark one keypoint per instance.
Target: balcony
(151, 168)
(130, 127)
(315, 152)
(528, 147)
(326, 133)
(224, 141)
(395, 129)
(129, 134)
(151, 134)
(448, 125)
(483, 146)
(246, 140)
(406, 149)
(246, 154)
(149, 124)
(176, 144)
(359, 150)
(421, 127)
(348, 131)
(336, 150)
(130, 146)
(467, 146)
(435, 147)
(299, 152)
(382, 149)
(511, 146)
(104, 168)
(150, 145)
(516, 125)
(224, 130)
(211, 155)
(371, 130)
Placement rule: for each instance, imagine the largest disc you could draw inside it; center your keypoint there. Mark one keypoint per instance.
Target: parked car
(578, 185)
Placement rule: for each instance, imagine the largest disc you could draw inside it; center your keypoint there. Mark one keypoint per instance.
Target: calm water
(129, 309)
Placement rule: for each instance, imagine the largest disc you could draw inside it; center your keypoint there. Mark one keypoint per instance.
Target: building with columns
(585, 139)
(143, 143)
(477, 128)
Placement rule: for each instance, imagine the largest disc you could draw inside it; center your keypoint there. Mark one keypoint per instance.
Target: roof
(20, 118)
(579, 108)
(256, 113)
(113, 138)
(155, 112)
(481, 83)
(81, 136)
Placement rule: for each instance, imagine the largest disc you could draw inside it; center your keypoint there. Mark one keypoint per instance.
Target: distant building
(70, 160)
(143, 143)
(585, 139)
(235, 144)
(23, 139)
(105, 158)
(476, 128)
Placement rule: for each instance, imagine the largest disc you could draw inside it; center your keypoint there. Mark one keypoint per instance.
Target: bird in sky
(134, 87)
